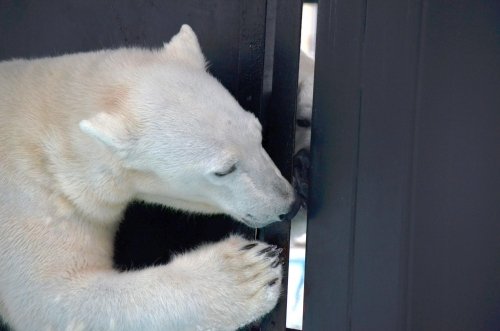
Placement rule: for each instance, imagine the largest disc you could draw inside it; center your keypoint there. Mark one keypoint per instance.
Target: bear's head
(186, 142)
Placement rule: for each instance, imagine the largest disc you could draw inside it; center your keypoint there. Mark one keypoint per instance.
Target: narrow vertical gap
(268, 69)
(269, 44)
(278, 122)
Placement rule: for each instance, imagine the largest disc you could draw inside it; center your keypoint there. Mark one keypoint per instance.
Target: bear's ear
(184, 47)
(109, 130)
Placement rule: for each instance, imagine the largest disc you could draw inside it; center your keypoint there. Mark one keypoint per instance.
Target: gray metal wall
(404, 228)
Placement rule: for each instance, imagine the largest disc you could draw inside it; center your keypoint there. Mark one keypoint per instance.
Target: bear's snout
(293, 210)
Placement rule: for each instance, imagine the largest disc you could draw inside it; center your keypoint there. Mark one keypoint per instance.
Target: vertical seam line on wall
(412, 171)
(356, 168)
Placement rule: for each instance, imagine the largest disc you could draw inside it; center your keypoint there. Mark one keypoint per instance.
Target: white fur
(304, 101)
(303, 136)
(80, 137)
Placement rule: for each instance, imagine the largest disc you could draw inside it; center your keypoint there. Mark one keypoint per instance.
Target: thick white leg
(217, 287)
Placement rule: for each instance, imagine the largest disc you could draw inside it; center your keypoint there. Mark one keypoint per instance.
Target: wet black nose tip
(294, 209)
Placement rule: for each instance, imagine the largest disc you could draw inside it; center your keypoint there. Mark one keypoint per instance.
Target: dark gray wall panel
(404, 229)
(455, 257)
(43, 28)
(388, 92)
(334, 163)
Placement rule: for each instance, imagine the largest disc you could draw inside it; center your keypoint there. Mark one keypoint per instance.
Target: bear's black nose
(294, 208)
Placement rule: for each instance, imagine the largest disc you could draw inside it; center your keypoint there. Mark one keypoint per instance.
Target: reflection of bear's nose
(294, 208)
(301, 166)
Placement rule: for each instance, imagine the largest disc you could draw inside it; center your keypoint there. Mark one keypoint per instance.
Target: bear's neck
(88, 180)
(48, 155)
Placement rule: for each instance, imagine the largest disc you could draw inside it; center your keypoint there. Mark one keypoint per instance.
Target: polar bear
(81, 136)
(304, 103)
(301, 159)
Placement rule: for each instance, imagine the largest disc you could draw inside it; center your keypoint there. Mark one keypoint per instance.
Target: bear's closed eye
(226, 172)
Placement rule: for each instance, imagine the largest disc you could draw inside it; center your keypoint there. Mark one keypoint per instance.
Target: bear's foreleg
(215, 287)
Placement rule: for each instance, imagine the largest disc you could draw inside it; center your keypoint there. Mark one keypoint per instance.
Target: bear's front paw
(255, 270)
(243, 278)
